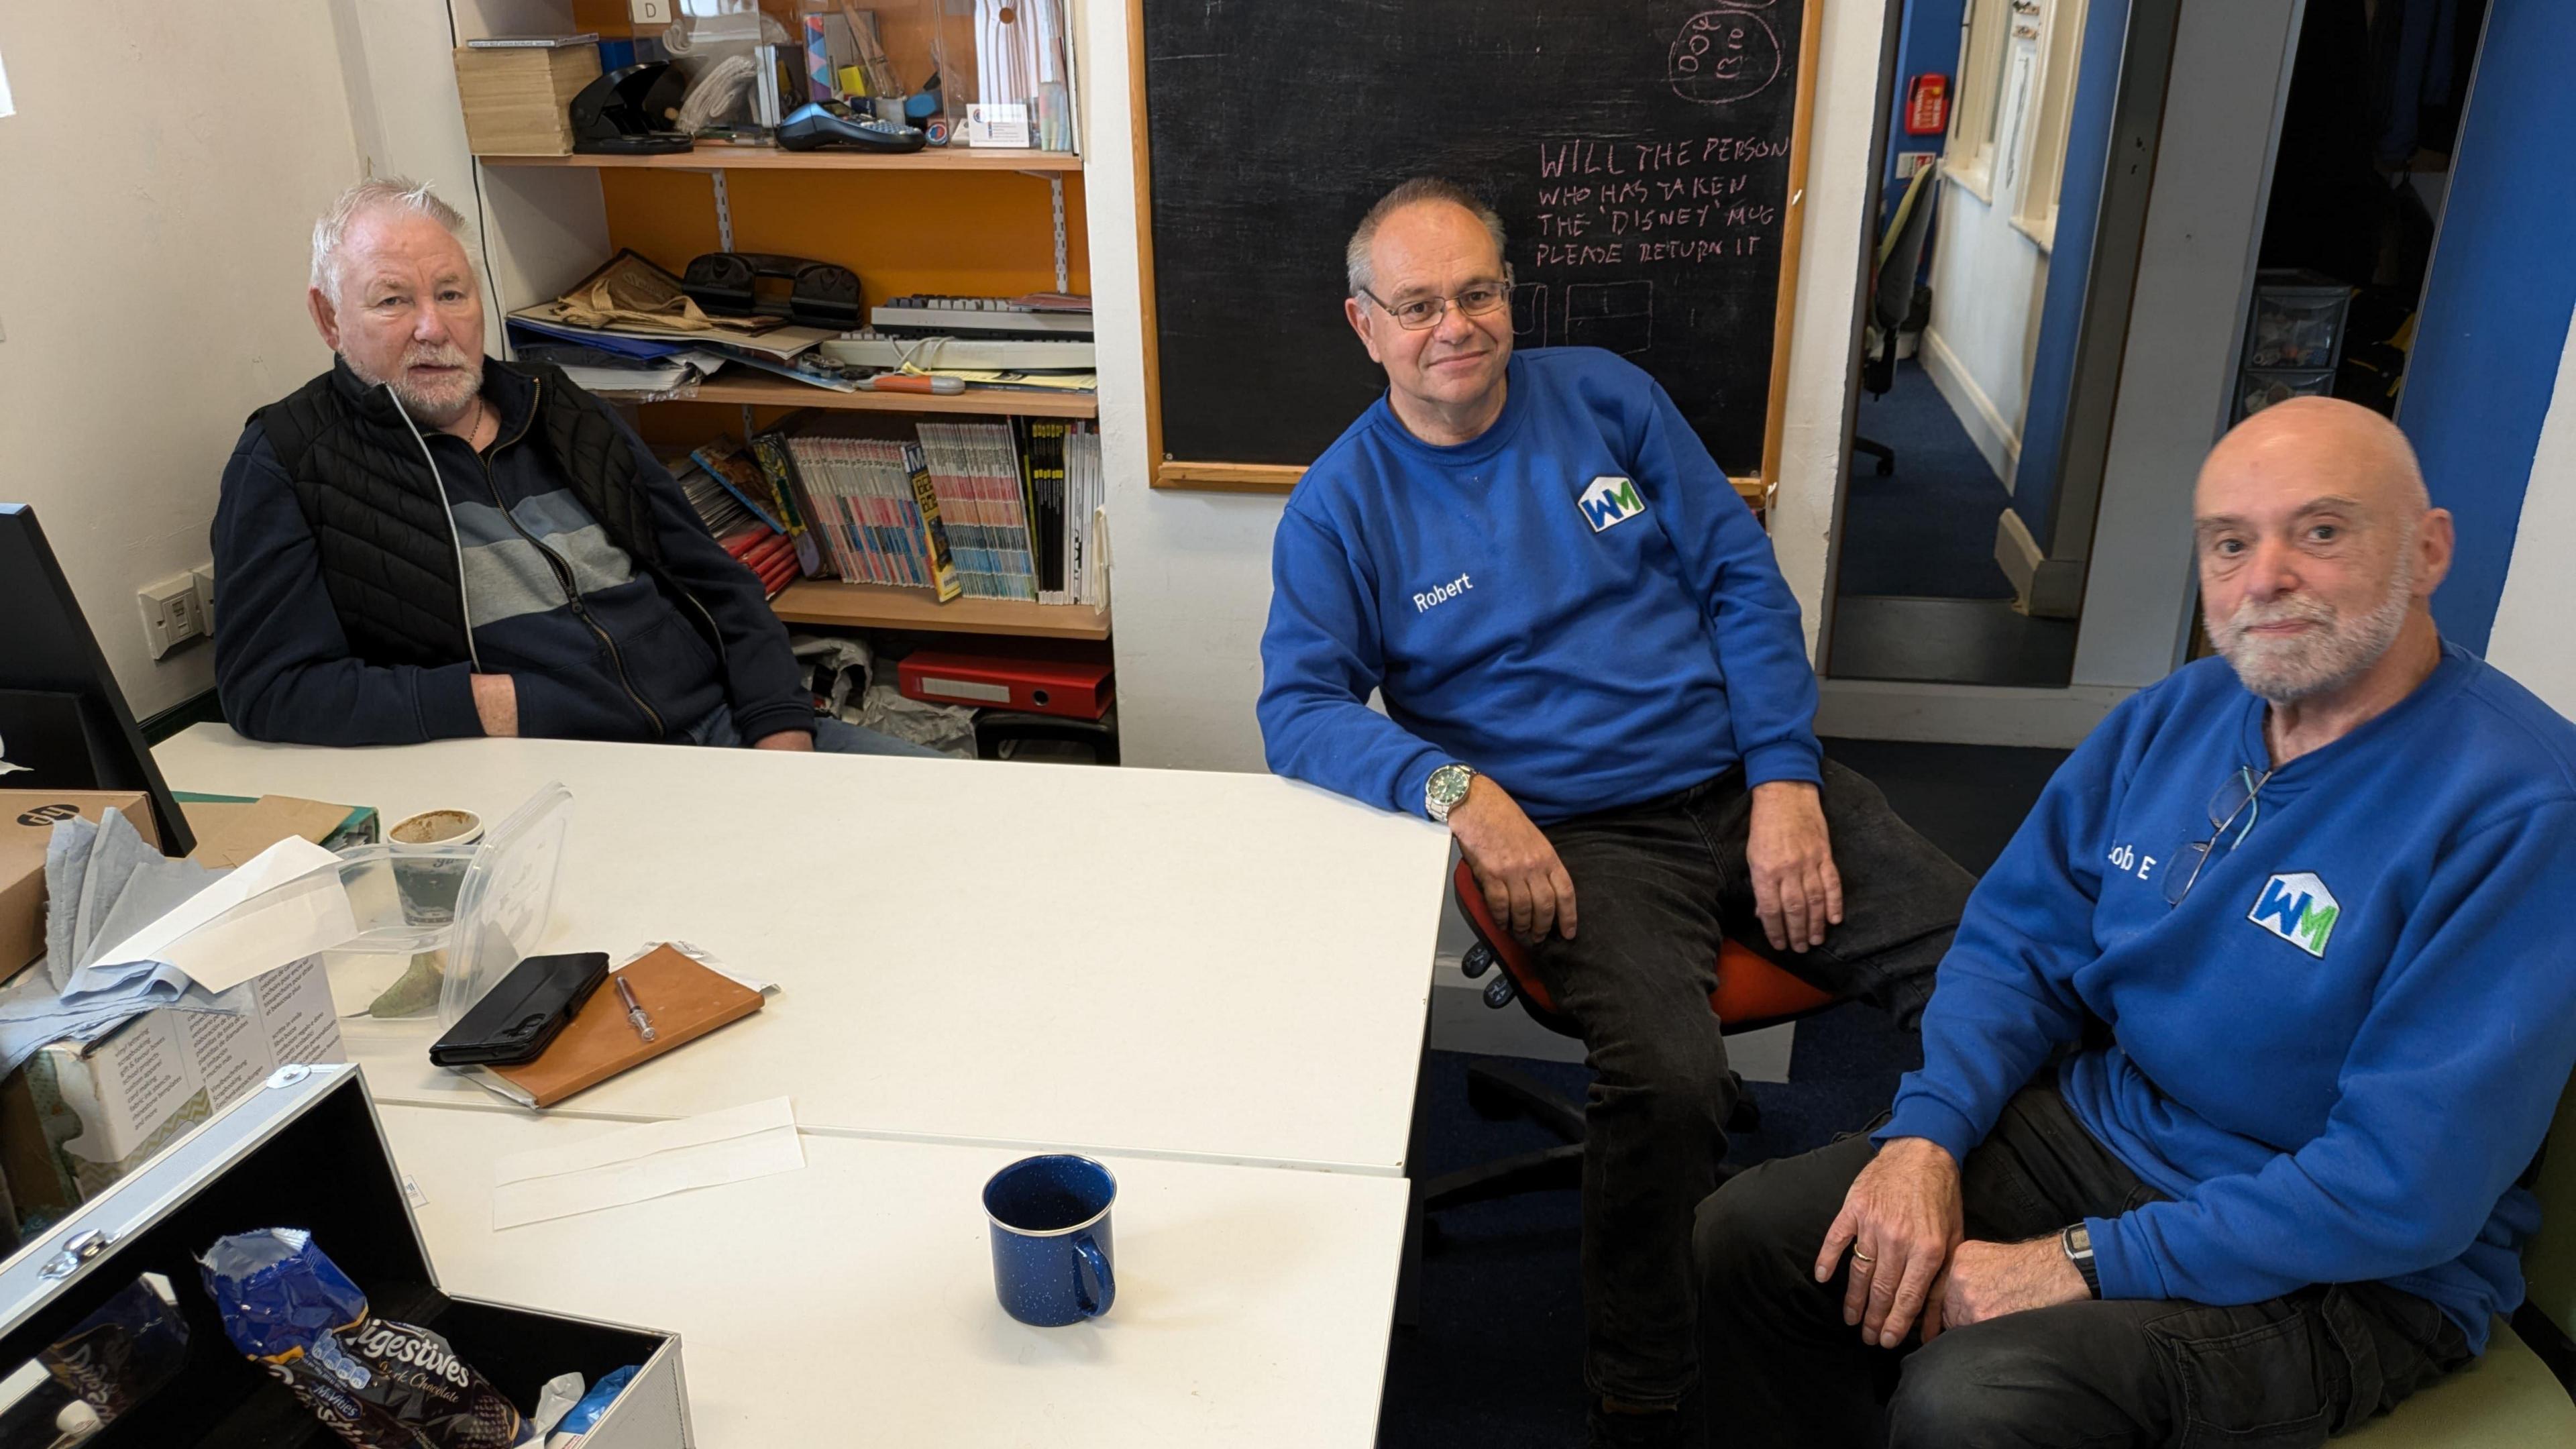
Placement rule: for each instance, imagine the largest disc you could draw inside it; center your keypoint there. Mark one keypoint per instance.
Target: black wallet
(517, 1019)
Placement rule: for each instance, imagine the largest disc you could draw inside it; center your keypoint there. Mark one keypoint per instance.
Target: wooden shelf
(780, 393)
(769, 158)
(874, 606)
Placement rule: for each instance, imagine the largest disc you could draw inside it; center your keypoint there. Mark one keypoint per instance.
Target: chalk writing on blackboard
(1619, 203)
(1723, 56)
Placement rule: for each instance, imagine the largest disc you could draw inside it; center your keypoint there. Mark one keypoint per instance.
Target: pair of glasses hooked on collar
(2239, 800)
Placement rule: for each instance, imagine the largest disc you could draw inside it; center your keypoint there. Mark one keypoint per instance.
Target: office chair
(1751, 993)
(1891, 299)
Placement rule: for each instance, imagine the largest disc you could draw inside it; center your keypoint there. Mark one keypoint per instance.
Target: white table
(852, 1302)
(1229, 968)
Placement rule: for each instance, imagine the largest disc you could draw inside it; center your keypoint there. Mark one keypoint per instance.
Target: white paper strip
(653, 1160)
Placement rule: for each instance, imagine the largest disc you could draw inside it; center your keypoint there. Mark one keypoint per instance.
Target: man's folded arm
(2446, 1093)
(1770, 687)
(1321, 658)
(2005, 1000)
(283, 667)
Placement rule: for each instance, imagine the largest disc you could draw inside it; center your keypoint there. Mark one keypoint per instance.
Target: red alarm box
(1002, 681)
(1927, 106)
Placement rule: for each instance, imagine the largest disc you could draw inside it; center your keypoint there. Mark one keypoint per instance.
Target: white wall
(156, 254)
(2530, 638)
(1988, 278)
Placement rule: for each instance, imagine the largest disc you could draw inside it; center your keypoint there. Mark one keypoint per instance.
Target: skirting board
(1462, 1022)
(1963, 714)
(1998, 442)
(2046, 588)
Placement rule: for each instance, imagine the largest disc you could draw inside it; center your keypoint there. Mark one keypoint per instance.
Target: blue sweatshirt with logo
(2339, 1053)
(1576, 602)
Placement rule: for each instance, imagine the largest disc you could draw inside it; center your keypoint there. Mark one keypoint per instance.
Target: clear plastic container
(2296, 325)
(2257, 389)
(439, 925)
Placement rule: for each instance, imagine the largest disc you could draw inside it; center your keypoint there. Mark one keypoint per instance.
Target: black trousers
(1784, 1369)
(1656, 886)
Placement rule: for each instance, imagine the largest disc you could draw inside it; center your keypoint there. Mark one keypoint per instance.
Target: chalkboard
(1644, 156)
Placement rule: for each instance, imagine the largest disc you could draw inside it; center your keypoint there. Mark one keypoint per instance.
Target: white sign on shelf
(997, 125)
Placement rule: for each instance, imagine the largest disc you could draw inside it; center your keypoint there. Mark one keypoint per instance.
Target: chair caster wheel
(1886, 468)
(1488, 1101)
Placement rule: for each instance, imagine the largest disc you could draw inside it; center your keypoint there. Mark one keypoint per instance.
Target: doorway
(1968, 514)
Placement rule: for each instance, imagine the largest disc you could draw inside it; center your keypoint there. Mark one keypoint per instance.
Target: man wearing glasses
(1594, 675)
(2245, 1047)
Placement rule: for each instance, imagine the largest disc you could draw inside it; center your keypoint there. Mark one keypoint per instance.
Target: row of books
(724, 489)
(986, 509)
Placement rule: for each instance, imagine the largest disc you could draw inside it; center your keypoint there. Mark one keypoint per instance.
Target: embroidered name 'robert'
(1441, 595)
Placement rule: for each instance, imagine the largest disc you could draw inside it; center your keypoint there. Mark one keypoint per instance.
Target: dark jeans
(1783, 1368)
(1656, 886)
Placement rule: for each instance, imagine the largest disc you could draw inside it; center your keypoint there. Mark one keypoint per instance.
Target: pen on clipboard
(634, 1008)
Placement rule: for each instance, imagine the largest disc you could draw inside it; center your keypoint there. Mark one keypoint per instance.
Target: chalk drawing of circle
(1723, 56)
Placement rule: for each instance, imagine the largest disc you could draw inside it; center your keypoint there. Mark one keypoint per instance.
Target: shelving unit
(952, 220)
(831, 604)
(765, 158)
(732, 387)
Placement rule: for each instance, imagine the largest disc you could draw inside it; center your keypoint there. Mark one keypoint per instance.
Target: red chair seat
(1751, 992)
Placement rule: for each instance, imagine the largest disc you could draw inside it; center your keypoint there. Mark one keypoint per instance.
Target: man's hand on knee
(1525, 885)
(1796, 890)
(1988, 1280)
(1899, 1222)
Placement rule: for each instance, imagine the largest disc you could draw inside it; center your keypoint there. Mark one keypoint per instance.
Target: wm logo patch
(1609, 501)
(2299, 909)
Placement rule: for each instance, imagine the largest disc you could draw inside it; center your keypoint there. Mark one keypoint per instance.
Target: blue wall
(1928, 44)
(2494, 322)
(2070, 264)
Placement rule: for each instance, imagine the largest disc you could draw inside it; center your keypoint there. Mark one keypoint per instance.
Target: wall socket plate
(171, 613)
(204, 574)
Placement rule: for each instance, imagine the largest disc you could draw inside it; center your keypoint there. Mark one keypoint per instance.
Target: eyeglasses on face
(1418, 313)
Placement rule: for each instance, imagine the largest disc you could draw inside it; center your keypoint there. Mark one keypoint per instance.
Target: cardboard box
(152, 1079)
(518, 102)
(26, 823)
(231, 829)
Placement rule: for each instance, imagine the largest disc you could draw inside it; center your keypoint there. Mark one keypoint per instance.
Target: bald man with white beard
(2236, 1070)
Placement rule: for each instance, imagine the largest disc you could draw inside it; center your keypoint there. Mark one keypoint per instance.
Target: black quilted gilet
(388, 550)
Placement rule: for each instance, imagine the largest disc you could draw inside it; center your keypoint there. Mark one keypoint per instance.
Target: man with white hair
(2238, 1066)
(423, 543)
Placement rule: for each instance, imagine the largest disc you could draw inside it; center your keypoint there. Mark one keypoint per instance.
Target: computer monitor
(62, 718)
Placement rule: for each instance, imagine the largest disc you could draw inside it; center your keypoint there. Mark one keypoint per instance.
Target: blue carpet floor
(1495, 1362)
(1928, 530)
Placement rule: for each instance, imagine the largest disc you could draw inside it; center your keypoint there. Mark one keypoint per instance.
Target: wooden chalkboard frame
(1222, 477)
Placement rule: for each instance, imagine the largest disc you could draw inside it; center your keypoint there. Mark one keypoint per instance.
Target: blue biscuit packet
(376, 1383)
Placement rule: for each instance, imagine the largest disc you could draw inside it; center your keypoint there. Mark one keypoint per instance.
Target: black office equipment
(61, 713)
(822, 124)
(819, 294)
(1640, 157)
(629, 111)
(520, 1016)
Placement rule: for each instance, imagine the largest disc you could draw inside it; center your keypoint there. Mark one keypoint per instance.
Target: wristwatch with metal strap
(1446, 788)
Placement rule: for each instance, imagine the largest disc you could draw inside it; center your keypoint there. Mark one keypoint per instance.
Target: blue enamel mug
(1050, 1224)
